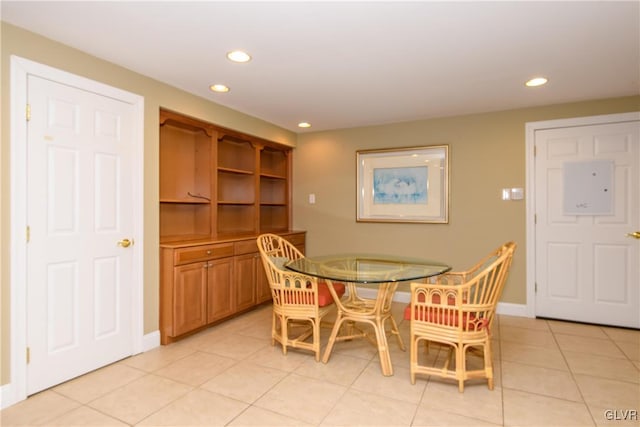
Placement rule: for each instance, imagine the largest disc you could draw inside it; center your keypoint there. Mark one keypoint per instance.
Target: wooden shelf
(237, 171)
(190, 201)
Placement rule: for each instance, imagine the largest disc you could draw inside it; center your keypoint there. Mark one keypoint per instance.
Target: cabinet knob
(209, 252)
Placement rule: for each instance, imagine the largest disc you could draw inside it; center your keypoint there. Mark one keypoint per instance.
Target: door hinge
(28, 355)
(535, 287)
(28, 234)
(535, 151)
(535, 218)
(28, 112)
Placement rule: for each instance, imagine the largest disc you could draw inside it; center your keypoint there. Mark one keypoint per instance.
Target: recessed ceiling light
(238, 56)
(537, 81)
(219, 88)
(304, 125)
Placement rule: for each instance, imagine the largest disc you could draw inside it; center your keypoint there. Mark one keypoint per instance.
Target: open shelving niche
(217, 183)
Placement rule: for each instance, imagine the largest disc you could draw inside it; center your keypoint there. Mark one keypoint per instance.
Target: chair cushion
(447, 318)
(324, 294)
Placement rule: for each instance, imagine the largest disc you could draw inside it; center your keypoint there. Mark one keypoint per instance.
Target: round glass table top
(367, 268)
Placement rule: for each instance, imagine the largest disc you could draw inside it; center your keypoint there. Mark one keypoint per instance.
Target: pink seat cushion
(445, 317)
(324, 294)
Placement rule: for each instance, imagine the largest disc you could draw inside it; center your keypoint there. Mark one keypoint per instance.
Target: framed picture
(403, 185)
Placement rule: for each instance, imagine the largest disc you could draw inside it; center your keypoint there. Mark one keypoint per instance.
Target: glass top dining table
(367, 268)
(381, 272)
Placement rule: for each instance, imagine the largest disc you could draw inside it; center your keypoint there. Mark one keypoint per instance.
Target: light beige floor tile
(85, 416)
(587, 345)
(528, 409)
(399, 357)
(534, 355)
(607, 393)
(272, 357)
(359, 347)
(357, 408)
(159, 357)
(477, 401)
(622, 334)
(340, 369)
(397, 387)
(258, 417)
(196, 368)
(303, 398)
(535, 379)
(245, 381)
(203, 338)
(475, 362)
(137, 400)
(523, 322)
(430, 417)
(260, 328)
(197, 408)
(98, 383)
(236, 346)
(38, 409)
(580, 329)
(533, 337)
(630, 349)
(606, 367)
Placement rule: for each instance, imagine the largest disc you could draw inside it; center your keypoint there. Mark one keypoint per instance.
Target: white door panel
(587, 268)
(79, 197)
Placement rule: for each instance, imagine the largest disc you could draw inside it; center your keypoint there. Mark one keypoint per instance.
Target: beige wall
(15, 41)
(487, 153)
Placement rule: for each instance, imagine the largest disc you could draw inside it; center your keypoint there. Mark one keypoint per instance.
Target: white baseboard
(7, 396)
(506, 308)
(150, 341)
(510, 309)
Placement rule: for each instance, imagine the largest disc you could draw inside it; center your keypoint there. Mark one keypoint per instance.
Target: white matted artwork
(403, 185)
(588, 187)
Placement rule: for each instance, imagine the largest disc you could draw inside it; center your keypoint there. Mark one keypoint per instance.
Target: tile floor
(548, 373)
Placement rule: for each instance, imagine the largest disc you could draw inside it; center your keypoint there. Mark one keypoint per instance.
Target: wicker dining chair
(300, 302)
(457, 309)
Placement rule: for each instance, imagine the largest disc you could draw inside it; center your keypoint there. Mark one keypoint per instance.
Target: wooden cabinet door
(220, 297)
(189, 297)
(245, 280)
(263, 290)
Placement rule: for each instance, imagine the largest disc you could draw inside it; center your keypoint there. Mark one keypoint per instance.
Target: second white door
(587, 266)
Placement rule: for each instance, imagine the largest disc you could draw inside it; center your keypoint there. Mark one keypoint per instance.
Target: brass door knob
(635, 234)
(125, 243)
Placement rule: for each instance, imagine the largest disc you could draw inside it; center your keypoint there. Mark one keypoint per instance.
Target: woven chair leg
(316, 340)
(460, 367)
(284, 334)
(488, 365)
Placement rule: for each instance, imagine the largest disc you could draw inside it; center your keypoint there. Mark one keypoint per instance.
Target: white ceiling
(350, 64)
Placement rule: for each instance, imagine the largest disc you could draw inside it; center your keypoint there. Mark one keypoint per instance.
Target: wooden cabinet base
(205, 282)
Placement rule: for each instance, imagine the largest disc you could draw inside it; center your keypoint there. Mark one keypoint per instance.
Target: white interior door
(587, 268)
(80, 279)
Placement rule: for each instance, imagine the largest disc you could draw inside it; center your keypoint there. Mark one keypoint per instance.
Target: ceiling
(351, 64)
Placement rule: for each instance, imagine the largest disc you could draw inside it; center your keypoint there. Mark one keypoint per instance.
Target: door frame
(530, 131)
(21, 68)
